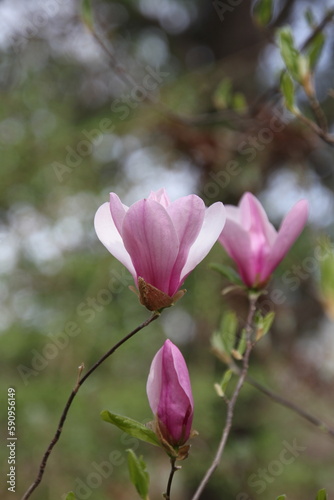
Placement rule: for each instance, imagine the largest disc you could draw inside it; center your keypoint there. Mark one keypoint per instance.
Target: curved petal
(175, 408)
(153, 386)
(213, 224)
(108, 235)
(187, 215)
(151, 240)
(290, 229)
(255, 220)
(118, 211)
(237, 243)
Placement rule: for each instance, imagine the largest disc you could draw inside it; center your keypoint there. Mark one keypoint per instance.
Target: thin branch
(79, 383)
(231, 403)
(292, 406)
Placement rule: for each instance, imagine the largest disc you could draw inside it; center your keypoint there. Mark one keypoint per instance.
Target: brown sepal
(153, 298)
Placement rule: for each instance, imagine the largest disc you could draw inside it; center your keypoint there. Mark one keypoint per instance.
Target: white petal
(108, 235)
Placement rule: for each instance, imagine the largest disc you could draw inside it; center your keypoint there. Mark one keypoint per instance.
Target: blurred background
(132, 97)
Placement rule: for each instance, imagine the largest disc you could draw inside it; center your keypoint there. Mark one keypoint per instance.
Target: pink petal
(108, 235)
(160, 196)
(255, 220)
(169, 393)
(187, 215)
(237, 244)
(290, 229)
(213, 223)
(150, 238)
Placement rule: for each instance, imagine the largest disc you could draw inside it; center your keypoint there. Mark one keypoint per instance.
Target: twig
(292, 406)
(231, 403)
(70, 400)
(326, 19)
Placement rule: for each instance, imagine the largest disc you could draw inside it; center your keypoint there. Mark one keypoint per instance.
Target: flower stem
(68, 404)
(231, 403)
(174, 468)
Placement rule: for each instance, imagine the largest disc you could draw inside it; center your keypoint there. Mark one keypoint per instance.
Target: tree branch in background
(231, 403)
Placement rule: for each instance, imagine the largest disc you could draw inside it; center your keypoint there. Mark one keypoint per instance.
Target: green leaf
(315, 49)
(239, 102)
(87, 14)
(263, 324)
(228, 272)
(263, 12)
(138, 474)
(309, 17)
(71, 496)
(225, 380)
(228, 330)
(222, 97)
(321, 495)
(289, 53)
(288, 90)
(281, 497)
(240, 350)
(132, 427)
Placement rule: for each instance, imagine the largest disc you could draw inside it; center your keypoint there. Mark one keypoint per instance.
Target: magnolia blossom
(253, 242)
(160, 242)
(169, 394)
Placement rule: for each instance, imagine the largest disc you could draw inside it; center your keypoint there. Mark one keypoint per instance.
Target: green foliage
(138, 474)
(288, 90)
(296, 63)
(263, 324)
(281, 497)
(87, 14)
(223, 340)
(222, 386)
(321, 495)
(224, 97)
(71, 496)
(314, 50)
(263, 11)
(131, 427)
(228, 272)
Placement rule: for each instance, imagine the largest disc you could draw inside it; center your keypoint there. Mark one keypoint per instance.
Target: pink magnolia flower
(253, 242)
(160, 242)
(169, 394)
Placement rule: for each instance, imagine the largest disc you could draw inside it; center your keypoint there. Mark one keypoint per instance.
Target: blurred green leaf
(241, 347)
(130, 426)
(87, 14)
(222, 97)
(225, 380)
(239, 102)
(228, 272)
(71, 496)
(288, 90)
(263, 11)
(228, 330)
(315, 49)
(263, 324)
(138, 474)
(296, 63)
(289, 53)
(321, 495)
(309, 17)
(281, 497)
